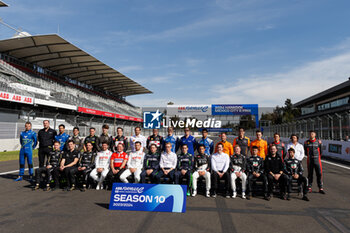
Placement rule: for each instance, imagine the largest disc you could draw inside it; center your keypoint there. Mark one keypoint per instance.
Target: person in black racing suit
(294, 171)
(156, 139)
(93, 139)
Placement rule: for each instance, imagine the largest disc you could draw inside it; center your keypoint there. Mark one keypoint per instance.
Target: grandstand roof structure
(2, 4)
(56, 54)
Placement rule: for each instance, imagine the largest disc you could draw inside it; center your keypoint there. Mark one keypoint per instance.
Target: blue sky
(204, 51)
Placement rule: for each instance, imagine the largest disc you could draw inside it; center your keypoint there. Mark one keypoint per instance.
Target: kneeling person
(51, 169)
(151, 164)
(101, 166)
(184, 167)
(86, 164)
(135, 164)
(69, 162)
(294, 171)
(201, 168)
(167, 164)
(238, 167)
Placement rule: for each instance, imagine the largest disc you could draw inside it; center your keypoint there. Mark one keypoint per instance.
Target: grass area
(13, 155)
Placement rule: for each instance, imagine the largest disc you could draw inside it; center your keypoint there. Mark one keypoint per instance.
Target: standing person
(28, 141)
(281, 148)
(184, 167)
(220, 163)
(78, 141)
(120, 139)
(313, 151)
(207, 142)
(51, 169)
(93, 139)
(135, 164)
(172, 139)
(294, 171)
(274, 168)
(298, 147)
(85, 165)
(101, 166)
(155, 139)
(62, 137)
(201, 168)
(189, 140)
(167, 164)
(46, 137)
(228, 149)
(242, 141)
(238, 167)
(105, 138)
(151, 164)
(261, 144)
(69, 162)
(118, 163)
(137, 138)
(255, 169)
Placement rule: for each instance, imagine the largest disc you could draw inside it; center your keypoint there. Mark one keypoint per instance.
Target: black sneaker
(267, 197)
(249, 197)
(227, 195)
(288, 197)
(321, 191)
(284, 196)
(213, 194)
(305, 198)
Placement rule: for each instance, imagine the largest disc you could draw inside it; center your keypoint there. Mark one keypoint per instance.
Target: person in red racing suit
(313, 151)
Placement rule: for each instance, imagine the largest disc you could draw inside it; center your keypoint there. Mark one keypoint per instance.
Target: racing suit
(68, 172)
(78, 141)
(28, 141)
(94, 140)
(220, 163)
(151, 162)
(313, 151)
(281, 149)
(87, 160)
(274, 164)
(244, 143)
(201, 163)
(191, 143)
(102, 160)
(105, 138)
(117, 159)
(62, 138)
(120, 139)
(135, 161)
(54, 160)
(262, 147)
(256, 164)
(157, 140)
(291, 167)
(174, 142)
(208, 144)
(184, 162)
(228, 149)
(238, 165)
(46, 139)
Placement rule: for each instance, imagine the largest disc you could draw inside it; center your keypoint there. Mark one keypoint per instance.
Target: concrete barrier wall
(9, 144)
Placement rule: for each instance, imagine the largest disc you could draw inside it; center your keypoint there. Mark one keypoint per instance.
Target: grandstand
(47, 77)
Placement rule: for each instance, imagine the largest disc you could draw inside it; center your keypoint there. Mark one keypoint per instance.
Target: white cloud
(297, 84)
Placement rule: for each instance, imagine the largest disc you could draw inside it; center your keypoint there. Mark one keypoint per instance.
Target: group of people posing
(105, 160)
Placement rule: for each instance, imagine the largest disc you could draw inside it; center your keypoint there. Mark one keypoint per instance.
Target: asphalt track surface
(24, 210)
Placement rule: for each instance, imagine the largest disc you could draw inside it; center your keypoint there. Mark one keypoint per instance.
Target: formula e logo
(152, 120)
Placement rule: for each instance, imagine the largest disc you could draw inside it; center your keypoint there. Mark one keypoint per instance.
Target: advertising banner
(236, 109)
(16, 98)
(189, 110)
(148, 197)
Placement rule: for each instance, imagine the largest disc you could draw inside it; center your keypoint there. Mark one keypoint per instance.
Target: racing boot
(19, 178)
(36, 187)
(321, 191)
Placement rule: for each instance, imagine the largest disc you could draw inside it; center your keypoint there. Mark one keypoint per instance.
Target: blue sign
(152, 120)
(148, 197)
(236, 109)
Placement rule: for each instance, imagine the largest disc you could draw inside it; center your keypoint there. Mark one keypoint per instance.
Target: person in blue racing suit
(174, 141)
(28, 141)
(189, 140)
(62, 137)
(206, 142)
